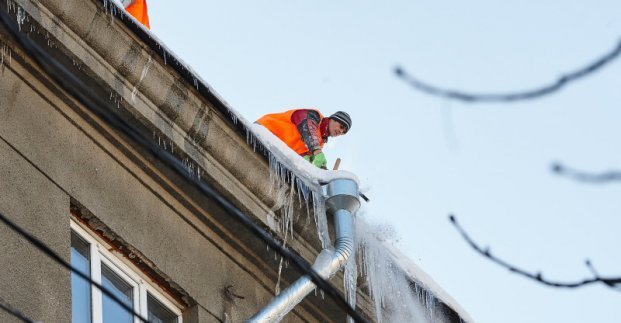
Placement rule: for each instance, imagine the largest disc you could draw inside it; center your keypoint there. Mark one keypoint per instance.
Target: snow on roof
(295, 163)
(422, 278)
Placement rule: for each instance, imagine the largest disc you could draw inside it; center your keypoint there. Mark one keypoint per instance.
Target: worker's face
(336, 129)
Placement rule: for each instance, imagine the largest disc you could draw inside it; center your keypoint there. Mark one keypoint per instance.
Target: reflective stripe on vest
(280, 124)
(139, 10)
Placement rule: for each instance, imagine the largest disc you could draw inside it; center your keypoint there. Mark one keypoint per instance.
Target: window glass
(112, 311)
(80, 287)
(158, 313)
(89, 304)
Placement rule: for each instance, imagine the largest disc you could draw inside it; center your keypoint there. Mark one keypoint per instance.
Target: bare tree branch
(614, 283)
(510, 97)
(602, 178)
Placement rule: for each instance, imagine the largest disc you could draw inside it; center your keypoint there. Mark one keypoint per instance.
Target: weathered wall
(28, 279)
(71, 158)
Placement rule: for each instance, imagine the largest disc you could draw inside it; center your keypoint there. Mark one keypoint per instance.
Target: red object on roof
(139, 10)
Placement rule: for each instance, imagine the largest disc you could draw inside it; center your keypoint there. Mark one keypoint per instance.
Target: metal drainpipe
(342, 201)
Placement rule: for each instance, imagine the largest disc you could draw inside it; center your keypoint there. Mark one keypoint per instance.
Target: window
(91, 257)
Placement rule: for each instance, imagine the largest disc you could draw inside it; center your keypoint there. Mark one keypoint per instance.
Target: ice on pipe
(387, 272)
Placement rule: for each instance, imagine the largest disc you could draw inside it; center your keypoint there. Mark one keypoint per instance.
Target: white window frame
(100, 253)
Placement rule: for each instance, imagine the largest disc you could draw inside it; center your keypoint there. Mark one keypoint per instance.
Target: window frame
(99, 252)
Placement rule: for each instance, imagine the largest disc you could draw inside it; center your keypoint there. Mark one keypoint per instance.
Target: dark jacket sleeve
(307, 122)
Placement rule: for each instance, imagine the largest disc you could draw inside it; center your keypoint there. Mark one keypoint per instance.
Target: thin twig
(510, 97)
(614, 283)
(581, 176)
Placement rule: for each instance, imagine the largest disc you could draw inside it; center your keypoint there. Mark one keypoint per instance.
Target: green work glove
(309, 158)
(320, 161)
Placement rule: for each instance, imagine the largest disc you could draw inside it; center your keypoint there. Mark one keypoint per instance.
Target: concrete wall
(29, 280)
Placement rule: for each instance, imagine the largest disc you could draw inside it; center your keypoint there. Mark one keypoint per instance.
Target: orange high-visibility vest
(280, 124)
(139, 10)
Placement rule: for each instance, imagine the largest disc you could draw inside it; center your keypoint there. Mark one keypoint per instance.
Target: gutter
(342, 201)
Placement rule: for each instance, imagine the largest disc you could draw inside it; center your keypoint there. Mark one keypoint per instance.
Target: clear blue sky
(422, 157)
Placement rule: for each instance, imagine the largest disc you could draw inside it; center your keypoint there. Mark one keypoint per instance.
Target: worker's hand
(309, 158)
(320, 161)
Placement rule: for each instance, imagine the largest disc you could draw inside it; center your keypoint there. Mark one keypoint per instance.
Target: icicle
(143, 74)
(5, 52)
(21, 16)
(233, 117)
(396, 297)
(277, 289)
(321, 220)
(2, 59)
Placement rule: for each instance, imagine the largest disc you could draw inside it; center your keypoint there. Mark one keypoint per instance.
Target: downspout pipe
(342, 201)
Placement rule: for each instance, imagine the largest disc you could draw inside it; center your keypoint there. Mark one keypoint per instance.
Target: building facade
(112, 208)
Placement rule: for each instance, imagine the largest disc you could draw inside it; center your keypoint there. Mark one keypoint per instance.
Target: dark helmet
(343, 118)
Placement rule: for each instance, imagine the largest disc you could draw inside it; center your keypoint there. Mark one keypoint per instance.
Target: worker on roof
(307, 130)
(138, 9)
